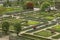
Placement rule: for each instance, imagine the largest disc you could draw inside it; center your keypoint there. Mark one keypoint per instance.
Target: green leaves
(17, 27)
(5, 27)
(45, 5)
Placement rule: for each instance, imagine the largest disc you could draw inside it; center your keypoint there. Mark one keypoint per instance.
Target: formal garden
(29, 20)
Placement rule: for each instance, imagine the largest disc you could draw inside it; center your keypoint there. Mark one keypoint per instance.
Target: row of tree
(6, 25)
(9, 3)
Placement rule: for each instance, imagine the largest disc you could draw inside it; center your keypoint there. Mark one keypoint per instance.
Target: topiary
(44, 6)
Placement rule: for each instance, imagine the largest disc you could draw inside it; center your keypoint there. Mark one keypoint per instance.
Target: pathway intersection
(32, 33)
(30, 30)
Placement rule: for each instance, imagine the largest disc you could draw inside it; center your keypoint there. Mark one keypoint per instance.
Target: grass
(56, 37)
(44, 33)
(11, 27)
(4, 10)
(43, 15)
(33, 37)
(13, 20)
(30, 22)
(57, 28)
(0, 25)
(49, 17)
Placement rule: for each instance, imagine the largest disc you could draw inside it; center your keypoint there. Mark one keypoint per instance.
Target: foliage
(4, 10)
(44, 33)
(57, 28)
(44, 6)
(28, 5)
(5, 27)
(17, 28)
(56, 37)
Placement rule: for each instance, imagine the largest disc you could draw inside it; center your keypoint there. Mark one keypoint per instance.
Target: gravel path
(5, 38)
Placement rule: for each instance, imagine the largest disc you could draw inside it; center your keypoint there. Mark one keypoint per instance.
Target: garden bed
(56, 28)
(44, 33)
(56, 37)
(4, 10)
(34, 37)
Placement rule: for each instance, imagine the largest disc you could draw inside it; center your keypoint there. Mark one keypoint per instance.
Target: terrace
(47, 23)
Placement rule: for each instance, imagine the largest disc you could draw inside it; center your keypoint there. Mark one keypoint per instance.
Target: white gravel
(5, 38)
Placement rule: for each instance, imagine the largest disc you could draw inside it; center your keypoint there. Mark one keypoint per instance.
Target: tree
(26, 23)
(8, 3)
(29, 5)
(45, 5)
(2, 9)
(18, 1)
(4, 4)
(5, 27)
(17, 27)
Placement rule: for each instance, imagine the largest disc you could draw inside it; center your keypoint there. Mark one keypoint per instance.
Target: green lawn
(34, 37)
(49, 17)
(4, 10)
(45, 15)
(11, 27)
(56, 37)
(13, 20)
(44, 33)
(57, 28)
(30, 22)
